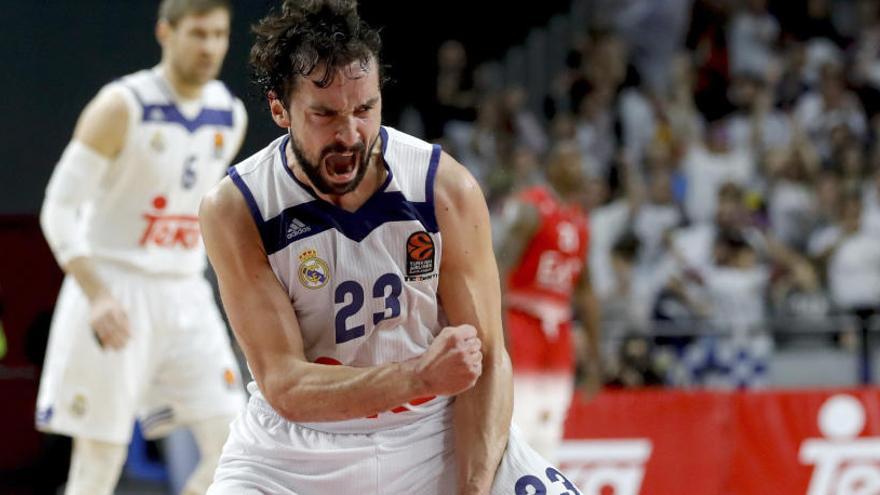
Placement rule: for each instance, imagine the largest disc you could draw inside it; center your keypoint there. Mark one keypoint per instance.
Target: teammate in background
(542, 259)
(355, 264)
(136, 332)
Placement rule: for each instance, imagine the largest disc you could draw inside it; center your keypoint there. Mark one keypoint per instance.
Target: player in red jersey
(543, 262)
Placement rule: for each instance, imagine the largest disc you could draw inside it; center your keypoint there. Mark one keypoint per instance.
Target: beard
(312, 170)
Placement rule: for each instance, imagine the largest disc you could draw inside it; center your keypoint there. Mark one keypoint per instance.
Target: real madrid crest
(313, 271)
(157, 142)
(79, 405)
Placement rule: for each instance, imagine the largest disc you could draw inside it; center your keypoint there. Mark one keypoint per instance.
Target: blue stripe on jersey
(246, 192)
(318, 216)
(170, 114)
(432, 172)
(384, 135)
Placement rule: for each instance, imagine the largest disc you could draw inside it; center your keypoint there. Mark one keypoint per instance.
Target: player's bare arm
(98, 137)
(588, 307)
(470, 293)
(267, 329)
(522, 221)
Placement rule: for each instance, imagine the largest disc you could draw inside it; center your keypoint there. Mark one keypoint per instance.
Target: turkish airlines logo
(845, 464)
(169, 231)
(599, 467)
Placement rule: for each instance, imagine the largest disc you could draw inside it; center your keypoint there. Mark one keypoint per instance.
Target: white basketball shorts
(266, 454)
(540, 406)
(177, 368)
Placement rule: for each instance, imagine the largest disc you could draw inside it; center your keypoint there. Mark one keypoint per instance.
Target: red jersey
(554, 257)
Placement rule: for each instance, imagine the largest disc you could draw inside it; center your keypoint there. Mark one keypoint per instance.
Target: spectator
(753, 35)
(871, 204)
(710, 164)
(791, 199)
(831, 109)
(757, 125)
(853, 259)
(454, 95)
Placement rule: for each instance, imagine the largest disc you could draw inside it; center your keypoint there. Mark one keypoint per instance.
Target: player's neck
(182, 90)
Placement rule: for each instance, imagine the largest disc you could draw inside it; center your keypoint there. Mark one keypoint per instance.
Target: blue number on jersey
(188, 179)
(392, 302)
(556, 477)
(539, 488)
(344, 334)
(528, 481)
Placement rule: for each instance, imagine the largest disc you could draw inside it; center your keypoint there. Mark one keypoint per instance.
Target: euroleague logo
(420, 257)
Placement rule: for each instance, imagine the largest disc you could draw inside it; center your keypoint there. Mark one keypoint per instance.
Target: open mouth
(341, 167)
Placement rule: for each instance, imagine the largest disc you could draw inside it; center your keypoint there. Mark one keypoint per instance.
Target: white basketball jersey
(145, 212)
(364, 283)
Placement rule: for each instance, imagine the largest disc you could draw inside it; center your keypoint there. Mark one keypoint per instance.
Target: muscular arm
(98, 138)
(588, 307)
(267, 329)
(101, 128)
(470, 293)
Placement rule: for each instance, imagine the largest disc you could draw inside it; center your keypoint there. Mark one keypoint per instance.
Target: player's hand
(453, 362)
(109, 322)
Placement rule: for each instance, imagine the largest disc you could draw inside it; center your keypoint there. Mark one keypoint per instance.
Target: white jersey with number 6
(144, 214)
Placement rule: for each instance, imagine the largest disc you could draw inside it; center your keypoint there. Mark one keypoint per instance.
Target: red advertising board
(769, 442)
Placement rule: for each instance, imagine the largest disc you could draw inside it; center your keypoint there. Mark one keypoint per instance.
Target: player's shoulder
(455, 188)
(260, 161)
(222, 201)
(110, 102)
(242, 192)
(103, 123)
(138, 87)
(401, 139)
(115, 96)
(137, 78)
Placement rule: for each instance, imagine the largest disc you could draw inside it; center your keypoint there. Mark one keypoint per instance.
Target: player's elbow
(285, 393)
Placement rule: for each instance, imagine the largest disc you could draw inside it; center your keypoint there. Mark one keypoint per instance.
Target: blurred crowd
(732, 172)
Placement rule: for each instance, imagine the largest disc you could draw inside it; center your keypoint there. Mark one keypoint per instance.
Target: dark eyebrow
(371, 102)
(323, 109)
(332, 111)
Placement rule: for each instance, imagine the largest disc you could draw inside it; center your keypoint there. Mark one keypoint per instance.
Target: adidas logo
(296, 228)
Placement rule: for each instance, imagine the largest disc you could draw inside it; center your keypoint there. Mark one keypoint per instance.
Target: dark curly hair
(305, 34)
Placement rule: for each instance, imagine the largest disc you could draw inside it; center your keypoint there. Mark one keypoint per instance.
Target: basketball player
(356, 267)
(543, 260)
(136, 332)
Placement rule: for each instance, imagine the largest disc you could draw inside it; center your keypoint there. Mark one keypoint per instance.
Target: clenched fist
(453, 362)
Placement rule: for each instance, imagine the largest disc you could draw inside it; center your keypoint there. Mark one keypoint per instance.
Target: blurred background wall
(57, 53)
